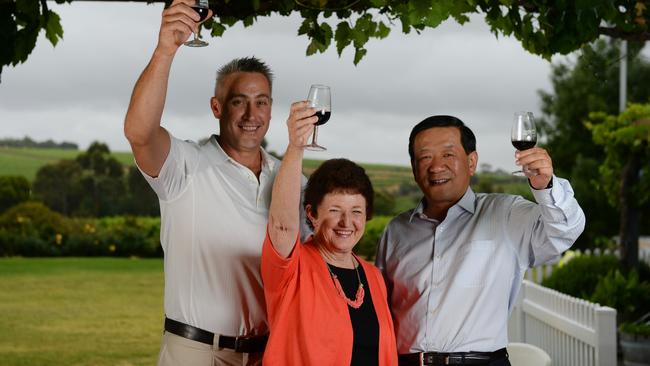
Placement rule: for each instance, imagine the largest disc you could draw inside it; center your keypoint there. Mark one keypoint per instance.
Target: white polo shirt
(213, 222)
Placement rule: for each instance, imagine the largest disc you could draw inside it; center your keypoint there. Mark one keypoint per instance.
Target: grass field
(80, 311)
(26, 161)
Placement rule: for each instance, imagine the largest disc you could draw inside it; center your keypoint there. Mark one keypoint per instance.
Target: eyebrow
(450, 145)
(240, 95)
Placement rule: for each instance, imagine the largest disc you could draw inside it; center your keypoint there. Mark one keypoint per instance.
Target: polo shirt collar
(467, 203)
(219, 156)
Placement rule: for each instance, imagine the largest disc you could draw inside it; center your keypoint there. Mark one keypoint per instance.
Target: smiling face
(339, 222)
(243, 107)
(442, 169)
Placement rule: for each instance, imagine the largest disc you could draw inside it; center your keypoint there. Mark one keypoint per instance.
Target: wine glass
(319, 98)
(523, 135)
(202, 8)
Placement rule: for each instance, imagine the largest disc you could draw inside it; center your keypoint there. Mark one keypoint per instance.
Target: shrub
(629, 296)
(32, 229)
(115, 236)
(84, 239)
(635, 328)
(581, 275)
(129, 235)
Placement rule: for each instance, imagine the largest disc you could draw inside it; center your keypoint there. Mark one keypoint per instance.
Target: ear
(472, 160)
(310, 217)
(217, 108)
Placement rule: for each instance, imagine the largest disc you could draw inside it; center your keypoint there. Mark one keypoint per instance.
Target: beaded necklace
(358, 300)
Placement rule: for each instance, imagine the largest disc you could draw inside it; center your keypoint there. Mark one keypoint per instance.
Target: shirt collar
(220, 156)
(467, 203)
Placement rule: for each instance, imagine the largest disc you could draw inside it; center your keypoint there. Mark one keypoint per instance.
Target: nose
(344, 220)
(248, 110)
(436, 166)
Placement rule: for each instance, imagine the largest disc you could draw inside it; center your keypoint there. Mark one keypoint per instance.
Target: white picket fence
(572, 331)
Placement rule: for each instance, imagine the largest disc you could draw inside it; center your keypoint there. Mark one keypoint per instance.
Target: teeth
(249, 128)
(343, 233)
(439, 181)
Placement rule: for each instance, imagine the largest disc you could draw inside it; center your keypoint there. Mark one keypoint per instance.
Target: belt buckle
(435, 360)
(239, 343)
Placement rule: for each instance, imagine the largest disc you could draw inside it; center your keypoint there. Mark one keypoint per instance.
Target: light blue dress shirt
(452, 284)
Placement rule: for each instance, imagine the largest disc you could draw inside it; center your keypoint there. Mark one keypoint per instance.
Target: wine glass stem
(313, 140)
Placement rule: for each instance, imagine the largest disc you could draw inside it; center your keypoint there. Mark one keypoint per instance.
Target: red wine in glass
(323, 117)
(524, 145)
(319, 98)
(201, 7)
(523, 135)
(203, 12)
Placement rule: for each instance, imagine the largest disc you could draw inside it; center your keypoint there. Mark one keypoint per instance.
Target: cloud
(79, 90)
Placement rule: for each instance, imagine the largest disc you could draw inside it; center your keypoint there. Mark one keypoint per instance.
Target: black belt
(242, 344)
(453, 358)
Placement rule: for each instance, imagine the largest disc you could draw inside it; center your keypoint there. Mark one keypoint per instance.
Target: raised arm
(149, 141)
(284, 214)
(554, 224)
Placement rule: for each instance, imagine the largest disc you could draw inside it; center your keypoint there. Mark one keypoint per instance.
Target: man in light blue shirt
(454, 264)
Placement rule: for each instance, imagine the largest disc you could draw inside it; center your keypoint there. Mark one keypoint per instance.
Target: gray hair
(244, 64)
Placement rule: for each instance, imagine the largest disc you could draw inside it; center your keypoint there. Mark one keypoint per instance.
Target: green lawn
(80, 311)
(26, 161)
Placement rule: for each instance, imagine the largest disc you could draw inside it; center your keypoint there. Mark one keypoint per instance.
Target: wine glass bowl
(320, 99)
(523, 135)
(202, 8)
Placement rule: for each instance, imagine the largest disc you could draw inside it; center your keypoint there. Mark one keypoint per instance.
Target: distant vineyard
(26, 161)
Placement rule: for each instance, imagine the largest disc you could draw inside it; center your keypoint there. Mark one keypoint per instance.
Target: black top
(365, 327)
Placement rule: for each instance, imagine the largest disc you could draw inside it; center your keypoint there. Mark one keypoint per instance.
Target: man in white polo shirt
(214, 201)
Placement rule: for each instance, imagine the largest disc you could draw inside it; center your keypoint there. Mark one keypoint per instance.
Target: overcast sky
(79, 90)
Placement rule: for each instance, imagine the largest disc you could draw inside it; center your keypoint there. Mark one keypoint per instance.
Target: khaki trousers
(179, 351)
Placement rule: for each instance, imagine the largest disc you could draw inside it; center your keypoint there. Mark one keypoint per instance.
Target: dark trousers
(501, 362)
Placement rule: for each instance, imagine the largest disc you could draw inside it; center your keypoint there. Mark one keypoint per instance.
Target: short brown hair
(244, 64)
(338, 176)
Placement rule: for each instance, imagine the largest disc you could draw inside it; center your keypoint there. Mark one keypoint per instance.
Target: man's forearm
(142, 122)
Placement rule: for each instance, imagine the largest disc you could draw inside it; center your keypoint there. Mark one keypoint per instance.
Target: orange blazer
(309, 323)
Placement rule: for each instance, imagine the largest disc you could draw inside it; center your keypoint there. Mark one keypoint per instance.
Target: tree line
(28, 142)
(94, 184)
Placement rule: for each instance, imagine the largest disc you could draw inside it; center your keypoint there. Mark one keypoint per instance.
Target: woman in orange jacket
(325, 305)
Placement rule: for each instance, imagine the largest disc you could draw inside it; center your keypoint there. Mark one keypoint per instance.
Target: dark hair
(338, 176)
(467, 138)
(244, 64)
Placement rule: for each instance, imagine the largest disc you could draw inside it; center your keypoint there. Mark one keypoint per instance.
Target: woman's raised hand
(300, 124)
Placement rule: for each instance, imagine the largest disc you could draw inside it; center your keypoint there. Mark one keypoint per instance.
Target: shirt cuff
(550, 195)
